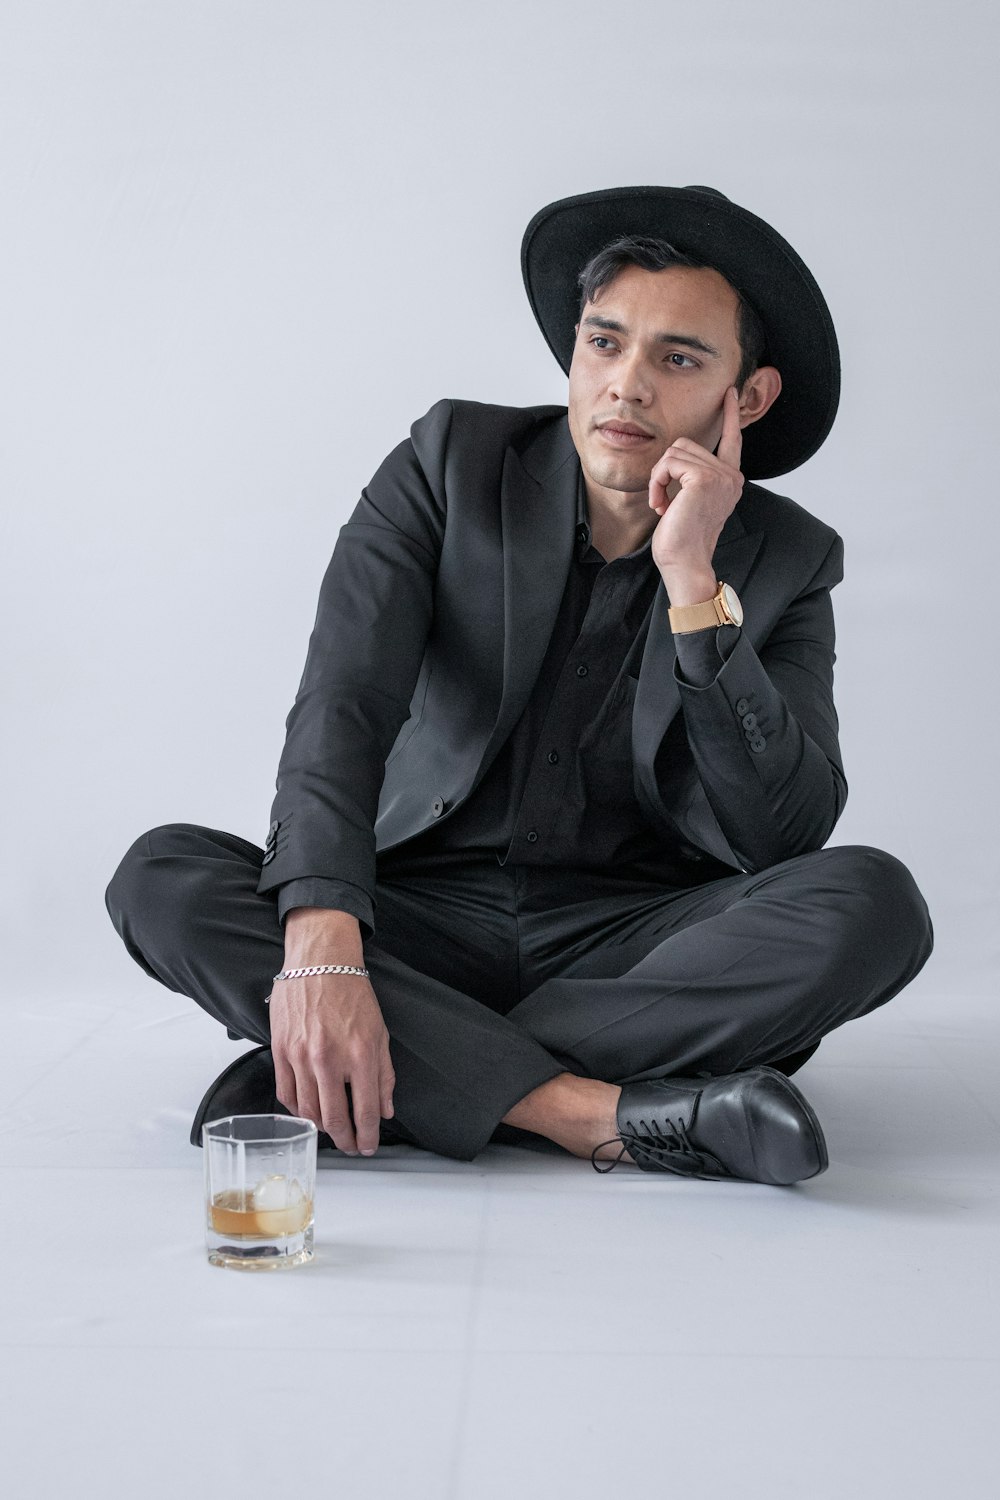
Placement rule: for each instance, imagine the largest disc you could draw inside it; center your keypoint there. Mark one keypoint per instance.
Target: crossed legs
(530, 996)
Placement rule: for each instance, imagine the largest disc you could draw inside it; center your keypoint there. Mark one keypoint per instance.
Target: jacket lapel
(538, 498)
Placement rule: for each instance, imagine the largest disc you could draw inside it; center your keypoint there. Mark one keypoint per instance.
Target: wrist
(317, 935)
(689, 583)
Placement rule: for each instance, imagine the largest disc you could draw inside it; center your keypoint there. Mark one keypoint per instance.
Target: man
(546, 853)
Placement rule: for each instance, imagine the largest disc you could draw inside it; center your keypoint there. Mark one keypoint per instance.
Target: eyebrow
(687, 339)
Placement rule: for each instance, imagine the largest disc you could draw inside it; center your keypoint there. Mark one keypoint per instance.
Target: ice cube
(277, 1192)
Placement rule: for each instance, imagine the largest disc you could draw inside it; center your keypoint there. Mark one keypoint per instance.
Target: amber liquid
(228, 1216)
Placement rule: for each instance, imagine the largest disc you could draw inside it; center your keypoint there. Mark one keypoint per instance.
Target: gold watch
(724, 609)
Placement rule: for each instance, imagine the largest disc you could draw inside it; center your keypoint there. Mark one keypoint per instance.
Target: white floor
(518, 1326)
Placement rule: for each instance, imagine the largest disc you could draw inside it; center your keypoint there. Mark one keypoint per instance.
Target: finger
(730, 449)
(387, 1084)
(661, 502)
(664, 472)
(308, 1094)
(688, 450)
(365, 1107)
(668, 474)
(335, 1114)
(284, 1081)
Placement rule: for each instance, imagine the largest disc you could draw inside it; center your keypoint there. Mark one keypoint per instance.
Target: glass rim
(309, 1128)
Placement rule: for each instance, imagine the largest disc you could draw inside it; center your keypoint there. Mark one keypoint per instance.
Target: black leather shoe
(246, 1087)
(754, 1125)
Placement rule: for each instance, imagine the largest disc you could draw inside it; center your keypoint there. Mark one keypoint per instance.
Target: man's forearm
(319, 935)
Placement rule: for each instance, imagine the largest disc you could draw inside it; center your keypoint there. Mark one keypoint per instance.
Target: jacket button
(581, 671)
(532, 836)
(268, 857)
(553, 757)
(742, 707)
(758, 744)
(437, 806)
(749, 722)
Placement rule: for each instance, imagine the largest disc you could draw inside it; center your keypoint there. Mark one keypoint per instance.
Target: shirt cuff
(701, 654)
(335, 895)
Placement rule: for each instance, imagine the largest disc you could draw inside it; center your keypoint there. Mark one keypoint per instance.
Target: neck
(619, 522)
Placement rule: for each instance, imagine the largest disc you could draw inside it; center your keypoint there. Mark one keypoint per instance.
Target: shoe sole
(202, 1112)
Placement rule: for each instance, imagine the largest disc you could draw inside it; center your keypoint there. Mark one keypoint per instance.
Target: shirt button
(581, 671)
(437, 807)
(532, 836)
(553, 757)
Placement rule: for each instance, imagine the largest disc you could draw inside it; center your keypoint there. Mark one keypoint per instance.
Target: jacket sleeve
(335, 895)
(764, 733)
(362, 664)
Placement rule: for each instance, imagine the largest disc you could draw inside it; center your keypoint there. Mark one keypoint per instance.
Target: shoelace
(669, 1148)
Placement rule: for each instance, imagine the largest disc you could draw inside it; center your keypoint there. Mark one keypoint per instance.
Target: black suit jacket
(434, 615)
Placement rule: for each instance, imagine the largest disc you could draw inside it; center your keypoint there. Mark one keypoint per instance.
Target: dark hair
(656, 255)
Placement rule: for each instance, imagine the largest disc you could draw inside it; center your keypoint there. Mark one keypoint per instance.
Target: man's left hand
(694, 493)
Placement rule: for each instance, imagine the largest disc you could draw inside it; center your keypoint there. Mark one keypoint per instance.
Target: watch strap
(686, 618)
(689, 617)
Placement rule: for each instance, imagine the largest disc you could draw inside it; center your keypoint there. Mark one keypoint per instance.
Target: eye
(599, 338)
(676, 355)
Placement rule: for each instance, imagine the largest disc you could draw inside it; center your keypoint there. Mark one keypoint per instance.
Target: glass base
(277, 1254)
(247, 1263)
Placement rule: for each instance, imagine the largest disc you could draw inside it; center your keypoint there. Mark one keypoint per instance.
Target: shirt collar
(582, 522)
(582, 525)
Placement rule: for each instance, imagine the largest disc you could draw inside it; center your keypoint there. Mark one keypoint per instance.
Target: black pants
(492, 980)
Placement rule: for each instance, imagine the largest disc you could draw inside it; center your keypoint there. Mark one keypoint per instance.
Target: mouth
(624, 434)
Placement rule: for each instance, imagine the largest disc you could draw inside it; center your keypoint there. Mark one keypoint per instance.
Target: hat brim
(801, 341)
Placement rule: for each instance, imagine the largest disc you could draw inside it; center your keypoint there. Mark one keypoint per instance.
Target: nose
(630, 381)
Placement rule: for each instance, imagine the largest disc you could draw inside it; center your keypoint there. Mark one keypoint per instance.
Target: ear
(759, 394)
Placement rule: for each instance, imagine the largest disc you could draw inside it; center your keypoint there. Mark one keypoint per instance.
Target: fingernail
(368, 1153)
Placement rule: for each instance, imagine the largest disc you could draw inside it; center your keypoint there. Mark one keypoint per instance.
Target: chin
(620, 474)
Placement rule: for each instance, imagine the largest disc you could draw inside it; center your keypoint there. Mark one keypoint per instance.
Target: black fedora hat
(706, 225)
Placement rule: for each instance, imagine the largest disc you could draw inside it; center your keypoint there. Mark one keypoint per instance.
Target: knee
(891, 900)
(137, 882)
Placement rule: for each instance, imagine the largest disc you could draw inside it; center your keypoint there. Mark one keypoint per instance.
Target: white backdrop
(246, 244)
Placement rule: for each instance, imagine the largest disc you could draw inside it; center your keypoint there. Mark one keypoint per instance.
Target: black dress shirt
(560, 791)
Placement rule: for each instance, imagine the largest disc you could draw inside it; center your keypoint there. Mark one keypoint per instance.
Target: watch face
(731, 600)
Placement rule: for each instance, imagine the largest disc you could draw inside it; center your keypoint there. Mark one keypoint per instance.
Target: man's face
(664, 368)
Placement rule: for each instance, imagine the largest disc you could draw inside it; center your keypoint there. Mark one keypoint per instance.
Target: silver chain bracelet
(318, 969)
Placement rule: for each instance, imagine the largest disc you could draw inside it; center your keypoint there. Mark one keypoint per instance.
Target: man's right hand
(327, 1031)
